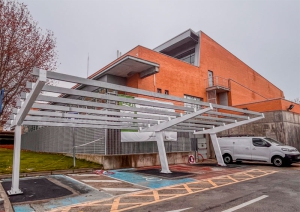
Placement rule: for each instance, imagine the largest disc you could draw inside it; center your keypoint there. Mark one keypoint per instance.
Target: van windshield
(273, 141)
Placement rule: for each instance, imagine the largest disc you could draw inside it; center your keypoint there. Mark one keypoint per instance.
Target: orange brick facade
(180, 78)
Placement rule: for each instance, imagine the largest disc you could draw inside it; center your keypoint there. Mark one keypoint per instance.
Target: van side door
(260, 150)
(242, 149)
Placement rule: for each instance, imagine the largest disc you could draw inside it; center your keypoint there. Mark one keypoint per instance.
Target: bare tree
(23, 45)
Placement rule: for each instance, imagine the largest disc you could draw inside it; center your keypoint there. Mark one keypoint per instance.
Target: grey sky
(263, 34)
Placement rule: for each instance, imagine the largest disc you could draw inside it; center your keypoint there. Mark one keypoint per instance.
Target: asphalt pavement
(278, 192)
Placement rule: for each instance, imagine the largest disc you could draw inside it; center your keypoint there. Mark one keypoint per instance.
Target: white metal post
(162, 152)
(25, 108)
(74, 147)
(217, 149)
(16, 163)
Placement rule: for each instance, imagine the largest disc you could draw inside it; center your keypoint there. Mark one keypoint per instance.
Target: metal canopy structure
(97, 110)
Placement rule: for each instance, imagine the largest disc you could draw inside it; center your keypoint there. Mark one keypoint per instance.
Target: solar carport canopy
(130, 108)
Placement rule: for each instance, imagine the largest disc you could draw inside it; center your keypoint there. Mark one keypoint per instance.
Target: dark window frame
(265, 143)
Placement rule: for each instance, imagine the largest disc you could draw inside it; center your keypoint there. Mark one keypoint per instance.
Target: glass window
(158, 90)
(167, 92)
(259, 142)
(274, 141)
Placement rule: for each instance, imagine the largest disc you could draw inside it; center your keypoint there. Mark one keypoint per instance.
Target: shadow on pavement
(36, 189)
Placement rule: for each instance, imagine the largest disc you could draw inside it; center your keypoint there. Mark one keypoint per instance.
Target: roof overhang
(128, 66)
(187, 39)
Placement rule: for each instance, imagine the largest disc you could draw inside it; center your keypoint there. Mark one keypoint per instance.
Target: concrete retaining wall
(283, 126)
(133, 160)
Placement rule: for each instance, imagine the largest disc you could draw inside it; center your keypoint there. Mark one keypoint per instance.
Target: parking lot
(253, 187)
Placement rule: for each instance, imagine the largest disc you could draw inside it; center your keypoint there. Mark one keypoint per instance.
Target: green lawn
(35, 161)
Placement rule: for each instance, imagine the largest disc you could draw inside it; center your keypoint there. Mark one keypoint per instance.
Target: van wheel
(227, 158)
(277, 161)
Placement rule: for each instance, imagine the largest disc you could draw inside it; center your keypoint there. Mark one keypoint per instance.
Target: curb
(4, 197)
(44, 173)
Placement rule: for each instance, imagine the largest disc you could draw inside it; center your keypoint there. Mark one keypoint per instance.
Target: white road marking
(84, 175)
(179, 210)
(121, 189)
(246, 203)
(101, 181)
(82, 183)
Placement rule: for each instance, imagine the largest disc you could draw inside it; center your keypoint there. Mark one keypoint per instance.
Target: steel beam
(100, 84)
(31, 98)
(83, 121)
(87, 117)
(98, 112)
(79, 80)
(52, 124)
(103, 105)
(165, 125)
(55, 89)
(229, 126)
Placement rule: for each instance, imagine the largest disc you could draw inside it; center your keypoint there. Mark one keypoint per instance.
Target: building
(190, 65)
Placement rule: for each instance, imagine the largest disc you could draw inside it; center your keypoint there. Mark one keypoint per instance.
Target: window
(260, 143)
(167, 92)
(158, 90)
(187, 56)
(192, 98)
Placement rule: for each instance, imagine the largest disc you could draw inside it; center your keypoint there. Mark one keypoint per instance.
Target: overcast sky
(263, 34)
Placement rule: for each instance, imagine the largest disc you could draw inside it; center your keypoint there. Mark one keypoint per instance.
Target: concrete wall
(283, 126)
(134, 160)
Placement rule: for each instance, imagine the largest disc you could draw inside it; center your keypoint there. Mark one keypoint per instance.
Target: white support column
(162, 152)
(217, 149)
(16, 163)
(25, 108)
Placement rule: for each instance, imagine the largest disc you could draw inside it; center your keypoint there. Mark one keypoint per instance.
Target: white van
(260, 149)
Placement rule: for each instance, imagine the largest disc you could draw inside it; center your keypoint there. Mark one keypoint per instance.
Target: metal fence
(60, 140)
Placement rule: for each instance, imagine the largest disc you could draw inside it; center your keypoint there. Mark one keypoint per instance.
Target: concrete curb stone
(6, 203)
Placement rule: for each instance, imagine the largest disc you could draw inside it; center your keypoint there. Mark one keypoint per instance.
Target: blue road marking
(23, 208)
(148, 181)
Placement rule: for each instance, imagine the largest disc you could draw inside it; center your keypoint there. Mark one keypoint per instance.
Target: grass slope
(35, 161)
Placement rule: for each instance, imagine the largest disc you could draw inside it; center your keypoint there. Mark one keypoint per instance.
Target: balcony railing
(217, 82)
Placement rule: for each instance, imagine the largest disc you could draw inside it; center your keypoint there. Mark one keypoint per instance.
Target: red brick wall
(174, 75)
(271, 105)
(224, 64)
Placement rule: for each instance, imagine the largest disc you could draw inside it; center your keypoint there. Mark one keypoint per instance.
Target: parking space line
(77, 181)
(171, 192)
(211, 182)
(187, 188)
(231, 178)
(156, 196)
(245, 204)
(115, 204)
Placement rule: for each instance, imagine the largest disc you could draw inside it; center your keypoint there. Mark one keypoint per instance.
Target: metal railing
(216, 81)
